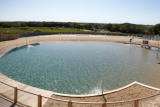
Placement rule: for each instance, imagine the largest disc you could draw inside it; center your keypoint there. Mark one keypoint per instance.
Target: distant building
(95, 30)
(92, 29)
(104, 30)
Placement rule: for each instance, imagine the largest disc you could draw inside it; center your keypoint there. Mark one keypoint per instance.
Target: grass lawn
(41, 29)
(16, 30)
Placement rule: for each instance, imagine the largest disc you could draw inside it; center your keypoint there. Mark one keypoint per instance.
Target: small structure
(104, 30)
(145, 43)
(92, 29)
(95, 30)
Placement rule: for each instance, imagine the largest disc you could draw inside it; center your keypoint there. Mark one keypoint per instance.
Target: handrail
(28, 92)
(119, 101)
(19, 89)
(7, 84)
(55, 99)
(82, 102)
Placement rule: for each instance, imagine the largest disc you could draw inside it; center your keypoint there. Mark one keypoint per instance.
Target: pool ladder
(158, 57)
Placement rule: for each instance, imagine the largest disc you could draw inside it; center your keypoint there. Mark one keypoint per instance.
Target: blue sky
(95, 11)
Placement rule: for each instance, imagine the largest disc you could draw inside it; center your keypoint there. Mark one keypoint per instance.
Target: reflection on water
(28, 48)
(79, 67)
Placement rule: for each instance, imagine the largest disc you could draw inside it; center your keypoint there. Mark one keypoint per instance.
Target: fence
(152, 100)
(5, 37)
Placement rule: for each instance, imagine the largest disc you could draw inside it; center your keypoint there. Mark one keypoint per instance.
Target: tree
(23, 24)
(0, 24)
(115, 28)
(18, 24)
(104, 27)
(109, 26)
(88, 26)
(6, 25)
(96, 26)
(157, 29)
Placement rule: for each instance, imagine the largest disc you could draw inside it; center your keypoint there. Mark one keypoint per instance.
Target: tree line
(124, 28)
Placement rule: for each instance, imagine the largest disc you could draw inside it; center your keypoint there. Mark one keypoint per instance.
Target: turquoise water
(79, 67)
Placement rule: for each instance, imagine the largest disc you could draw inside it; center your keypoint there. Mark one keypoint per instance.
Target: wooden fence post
(69, 104)
(39, 100)
(136, 103)
(104, 105)
(15, 94)
(102, 87)
(1, 36)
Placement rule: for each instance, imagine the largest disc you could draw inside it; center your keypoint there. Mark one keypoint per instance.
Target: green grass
(33, 29)
(16, 30)
(54, 30)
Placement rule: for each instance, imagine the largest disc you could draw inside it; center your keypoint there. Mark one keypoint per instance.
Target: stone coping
(109, 92)
(5, 50)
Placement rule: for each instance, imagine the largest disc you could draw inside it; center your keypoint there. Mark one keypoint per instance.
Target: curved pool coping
(109, 92)
(10, 48)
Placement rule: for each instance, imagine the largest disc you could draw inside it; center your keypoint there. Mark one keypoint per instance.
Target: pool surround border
(5, 51)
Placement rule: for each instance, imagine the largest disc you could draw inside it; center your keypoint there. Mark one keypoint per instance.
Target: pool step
(35, 43)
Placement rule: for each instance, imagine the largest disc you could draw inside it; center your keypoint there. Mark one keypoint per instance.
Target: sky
(145, 12)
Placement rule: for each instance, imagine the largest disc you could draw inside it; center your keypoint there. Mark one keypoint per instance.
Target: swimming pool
(79, 67)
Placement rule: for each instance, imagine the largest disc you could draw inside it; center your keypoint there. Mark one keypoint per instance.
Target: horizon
(72, 22)
(144, 12)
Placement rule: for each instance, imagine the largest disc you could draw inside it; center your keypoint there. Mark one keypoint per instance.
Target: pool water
(79, 67)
